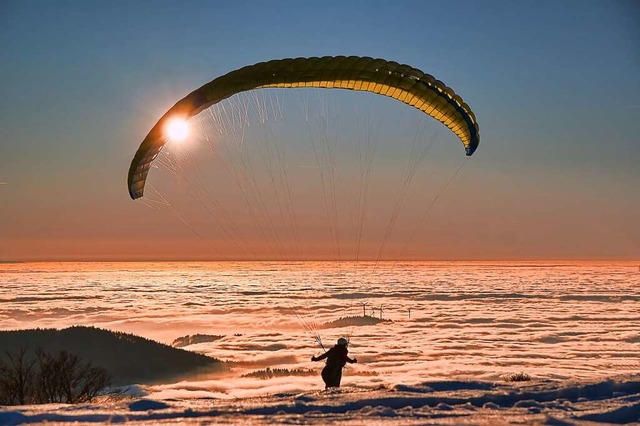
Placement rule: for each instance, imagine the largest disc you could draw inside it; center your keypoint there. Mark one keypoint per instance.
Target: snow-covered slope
(454, 402)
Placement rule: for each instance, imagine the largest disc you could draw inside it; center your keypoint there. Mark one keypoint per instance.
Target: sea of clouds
(469, 322)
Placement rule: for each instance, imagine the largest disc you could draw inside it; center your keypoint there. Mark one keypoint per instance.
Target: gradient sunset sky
(554, 86)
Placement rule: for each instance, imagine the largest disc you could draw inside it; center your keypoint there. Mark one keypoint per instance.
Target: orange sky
(555, 175)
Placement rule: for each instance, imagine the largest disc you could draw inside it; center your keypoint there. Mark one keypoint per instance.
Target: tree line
(49, 377)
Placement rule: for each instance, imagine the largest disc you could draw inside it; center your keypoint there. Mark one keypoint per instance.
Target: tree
(65, 378)
(16, 378)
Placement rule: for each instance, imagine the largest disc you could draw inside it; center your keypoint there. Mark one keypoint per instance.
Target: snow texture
(615, 401)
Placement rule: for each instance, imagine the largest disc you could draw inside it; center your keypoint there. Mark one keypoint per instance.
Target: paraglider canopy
(401, 82)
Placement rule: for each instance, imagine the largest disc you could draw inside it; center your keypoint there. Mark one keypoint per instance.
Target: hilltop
(127, 357)
(355, 321)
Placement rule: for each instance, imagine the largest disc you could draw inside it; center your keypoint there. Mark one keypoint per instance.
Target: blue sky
(554, 85)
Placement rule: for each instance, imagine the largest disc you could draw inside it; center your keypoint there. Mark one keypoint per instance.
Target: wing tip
(134, 194)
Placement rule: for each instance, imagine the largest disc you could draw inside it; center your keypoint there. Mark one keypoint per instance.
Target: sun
(177, 129)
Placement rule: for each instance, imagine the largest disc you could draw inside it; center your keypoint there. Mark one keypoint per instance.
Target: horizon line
(360, 261)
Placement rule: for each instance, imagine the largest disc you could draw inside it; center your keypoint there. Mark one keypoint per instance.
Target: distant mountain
(354, 321)
(128, 358)
(193, 339)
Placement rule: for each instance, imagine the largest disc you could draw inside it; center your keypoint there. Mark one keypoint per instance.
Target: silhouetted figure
(337, 357)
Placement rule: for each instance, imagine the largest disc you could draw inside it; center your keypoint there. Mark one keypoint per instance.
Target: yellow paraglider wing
(401, 82)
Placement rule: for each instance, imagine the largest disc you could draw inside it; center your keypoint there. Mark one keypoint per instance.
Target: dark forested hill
(128, 358)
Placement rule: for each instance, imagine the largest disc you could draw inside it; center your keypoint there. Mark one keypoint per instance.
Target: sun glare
(177, 130)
